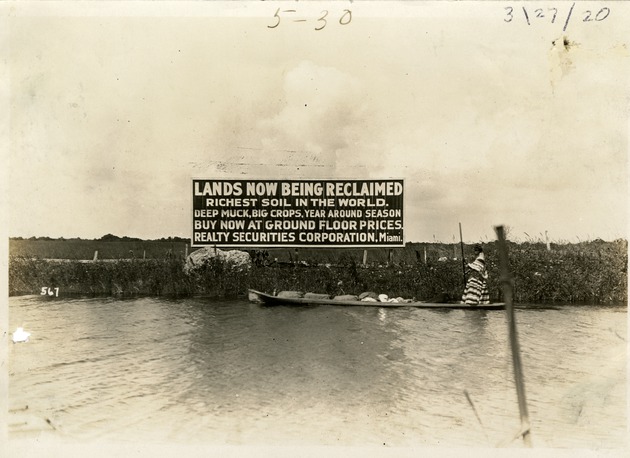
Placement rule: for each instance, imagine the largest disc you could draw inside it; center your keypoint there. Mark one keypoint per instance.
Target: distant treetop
(115, 238)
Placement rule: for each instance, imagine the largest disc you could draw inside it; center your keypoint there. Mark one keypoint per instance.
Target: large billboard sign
(283, 213)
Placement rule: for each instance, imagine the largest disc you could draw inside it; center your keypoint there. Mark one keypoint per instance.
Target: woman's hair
(478, 249)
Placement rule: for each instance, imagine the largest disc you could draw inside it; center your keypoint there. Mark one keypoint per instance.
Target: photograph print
(306, 228)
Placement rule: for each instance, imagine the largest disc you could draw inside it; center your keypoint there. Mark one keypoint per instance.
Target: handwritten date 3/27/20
(343, 17)
(534, 16)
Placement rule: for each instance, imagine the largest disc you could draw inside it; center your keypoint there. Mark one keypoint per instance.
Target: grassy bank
(589, 272)
(84, 249)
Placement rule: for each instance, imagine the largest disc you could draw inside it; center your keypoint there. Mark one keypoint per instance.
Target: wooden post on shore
(390, 257)
(95, 255)
(144, 255)
(364, 257)
(186, 252)
(506, 282)
(425, 254)
(547, 240)
(461, 243)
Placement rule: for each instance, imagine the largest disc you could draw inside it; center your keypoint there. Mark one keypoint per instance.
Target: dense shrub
(589, 272)
(121, 277)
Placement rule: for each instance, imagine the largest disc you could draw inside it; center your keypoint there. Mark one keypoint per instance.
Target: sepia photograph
(314, 228)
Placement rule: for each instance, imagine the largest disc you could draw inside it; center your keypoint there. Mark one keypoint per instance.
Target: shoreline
(540, 277)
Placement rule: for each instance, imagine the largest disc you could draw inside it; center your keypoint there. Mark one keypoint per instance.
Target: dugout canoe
(268, 299)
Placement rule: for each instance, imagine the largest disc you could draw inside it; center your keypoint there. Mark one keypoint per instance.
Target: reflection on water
(238, 373)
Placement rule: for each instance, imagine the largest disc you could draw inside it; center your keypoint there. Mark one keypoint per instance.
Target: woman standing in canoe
(476, 290)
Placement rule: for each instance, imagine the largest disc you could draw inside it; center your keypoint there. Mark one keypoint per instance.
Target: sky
(113, 109)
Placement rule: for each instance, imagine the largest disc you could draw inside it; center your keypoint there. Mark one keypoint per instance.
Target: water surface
(215, 372)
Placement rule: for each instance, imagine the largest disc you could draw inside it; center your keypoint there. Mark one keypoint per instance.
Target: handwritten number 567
(47, 291)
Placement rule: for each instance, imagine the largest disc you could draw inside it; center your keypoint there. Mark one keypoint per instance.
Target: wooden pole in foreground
(506, 282)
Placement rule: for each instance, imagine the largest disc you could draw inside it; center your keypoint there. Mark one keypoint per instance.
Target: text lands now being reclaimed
(284, 213)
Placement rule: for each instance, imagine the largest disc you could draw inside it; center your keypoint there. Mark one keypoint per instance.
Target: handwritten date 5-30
(344, 18)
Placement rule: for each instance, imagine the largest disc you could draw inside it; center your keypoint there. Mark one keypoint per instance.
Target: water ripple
(237, 373)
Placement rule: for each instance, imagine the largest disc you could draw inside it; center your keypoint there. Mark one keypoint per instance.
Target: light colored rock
(235, 258)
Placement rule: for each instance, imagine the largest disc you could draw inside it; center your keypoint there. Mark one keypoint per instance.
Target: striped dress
(476, 290)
